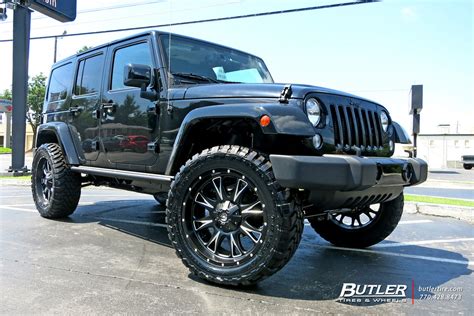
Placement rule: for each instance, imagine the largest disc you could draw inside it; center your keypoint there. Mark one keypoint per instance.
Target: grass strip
(5, 150)
(438, 200)
(15, 178)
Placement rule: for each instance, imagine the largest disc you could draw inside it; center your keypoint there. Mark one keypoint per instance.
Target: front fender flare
(285, 120)
(401, 135)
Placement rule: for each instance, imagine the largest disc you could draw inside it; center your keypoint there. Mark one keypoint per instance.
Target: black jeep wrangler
(239, 160)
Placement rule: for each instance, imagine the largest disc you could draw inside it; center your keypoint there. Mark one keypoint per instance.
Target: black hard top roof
(152, 33)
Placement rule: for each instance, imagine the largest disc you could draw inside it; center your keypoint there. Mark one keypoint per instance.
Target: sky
(375, 50)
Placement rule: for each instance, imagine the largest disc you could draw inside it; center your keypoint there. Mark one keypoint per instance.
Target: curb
(458, 212)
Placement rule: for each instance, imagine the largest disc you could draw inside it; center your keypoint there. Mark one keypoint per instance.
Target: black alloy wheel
(361, 227)
(224, 216)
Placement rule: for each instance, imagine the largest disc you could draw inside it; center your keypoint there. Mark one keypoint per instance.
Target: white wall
(445, 151)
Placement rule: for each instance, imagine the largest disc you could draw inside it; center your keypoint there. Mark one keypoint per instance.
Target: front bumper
(346, 173)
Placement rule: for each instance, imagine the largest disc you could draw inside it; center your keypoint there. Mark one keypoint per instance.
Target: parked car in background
(468, 161)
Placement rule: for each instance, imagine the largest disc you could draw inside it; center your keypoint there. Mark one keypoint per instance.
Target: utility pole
(21, 50)
(56, 46)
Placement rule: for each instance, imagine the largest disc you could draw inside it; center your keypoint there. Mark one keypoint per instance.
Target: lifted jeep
(239, 160)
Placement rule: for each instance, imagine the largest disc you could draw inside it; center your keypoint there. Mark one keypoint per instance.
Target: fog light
(317, 141)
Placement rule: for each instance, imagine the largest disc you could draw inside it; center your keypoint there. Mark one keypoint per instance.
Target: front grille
(357, 127)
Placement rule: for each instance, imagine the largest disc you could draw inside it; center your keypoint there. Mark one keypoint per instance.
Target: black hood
(255, 90)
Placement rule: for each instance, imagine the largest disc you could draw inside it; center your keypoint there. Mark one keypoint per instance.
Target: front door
(128, 122)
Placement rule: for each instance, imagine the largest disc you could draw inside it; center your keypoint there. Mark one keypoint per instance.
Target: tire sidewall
(272, 217)
(41, 153)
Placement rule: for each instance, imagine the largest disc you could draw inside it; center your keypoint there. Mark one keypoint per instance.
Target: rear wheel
(361, 227)
(56, 189)
(229, 220)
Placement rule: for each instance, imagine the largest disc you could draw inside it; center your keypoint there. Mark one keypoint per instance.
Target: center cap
(225, 211)
(223, 217)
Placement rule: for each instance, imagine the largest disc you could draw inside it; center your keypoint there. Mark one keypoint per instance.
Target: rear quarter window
(58, 87)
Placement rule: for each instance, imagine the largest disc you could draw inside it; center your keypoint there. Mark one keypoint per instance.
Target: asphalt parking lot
(113, 256)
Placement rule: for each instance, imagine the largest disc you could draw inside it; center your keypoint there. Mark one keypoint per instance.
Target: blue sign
(61, 10)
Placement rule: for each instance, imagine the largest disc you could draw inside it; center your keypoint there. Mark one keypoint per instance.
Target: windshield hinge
(285, 94)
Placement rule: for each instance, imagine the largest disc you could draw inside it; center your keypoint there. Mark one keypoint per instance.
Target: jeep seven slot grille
(354, 126)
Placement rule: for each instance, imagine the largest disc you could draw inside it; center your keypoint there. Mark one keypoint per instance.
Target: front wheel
(361, 227)
(229, 220)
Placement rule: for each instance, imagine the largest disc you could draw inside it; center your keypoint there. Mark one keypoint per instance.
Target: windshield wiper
(188, 75)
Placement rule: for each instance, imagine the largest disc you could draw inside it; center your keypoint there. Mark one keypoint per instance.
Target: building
(3, 128)
(445, 150)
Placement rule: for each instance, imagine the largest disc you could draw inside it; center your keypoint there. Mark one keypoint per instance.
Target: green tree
(6, 94)
(83, 49)
(36, 92)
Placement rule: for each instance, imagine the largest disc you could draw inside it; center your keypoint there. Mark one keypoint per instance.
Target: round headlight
(384, 120)
(313, 110)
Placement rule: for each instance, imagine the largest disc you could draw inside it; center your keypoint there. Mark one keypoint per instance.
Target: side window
(135, 54)
(59, 83)
(89, 74)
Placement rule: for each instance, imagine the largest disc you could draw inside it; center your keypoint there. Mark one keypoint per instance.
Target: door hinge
(286, 93)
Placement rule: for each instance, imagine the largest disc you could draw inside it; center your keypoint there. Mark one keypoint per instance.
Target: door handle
(109, 106)
(75, 110)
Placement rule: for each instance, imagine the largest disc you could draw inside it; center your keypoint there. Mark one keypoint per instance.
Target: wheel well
(45, 137)
(214, 132)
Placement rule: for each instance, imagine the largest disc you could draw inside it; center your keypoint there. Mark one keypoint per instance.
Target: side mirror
(136, 75)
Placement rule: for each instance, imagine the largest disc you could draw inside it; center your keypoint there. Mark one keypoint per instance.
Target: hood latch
(285, 94)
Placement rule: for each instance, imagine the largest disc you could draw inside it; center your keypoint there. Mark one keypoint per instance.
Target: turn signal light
(265, 120)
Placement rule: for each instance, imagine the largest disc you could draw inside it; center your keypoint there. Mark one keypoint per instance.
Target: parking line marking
(17, 209)
(394, 254)
(82, 195)
(31, 204)
(127, 221)
(421, 242)
(419, 221)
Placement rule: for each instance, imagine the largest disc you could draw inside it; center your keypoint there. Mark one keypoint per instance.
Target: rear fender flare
(64, 137)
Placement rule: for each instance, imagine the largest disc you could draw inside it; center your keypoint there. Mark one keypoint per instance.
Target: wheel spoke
(205, 222)
(368, 215)
(200, 199)
(235, 249)
(248, 230)
(249, 210)
(217, 182)
(216, 240)
(239, 189)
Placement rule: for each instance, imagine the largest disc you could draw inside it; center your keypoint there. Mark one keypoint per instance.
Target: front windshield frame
(263, 72)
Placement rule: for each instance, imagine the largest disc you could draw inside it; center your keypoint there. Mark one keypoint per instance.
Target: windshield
(191, 59)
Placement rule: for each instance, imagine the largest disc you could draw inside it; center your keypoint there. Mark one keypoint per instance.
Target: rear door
(85, 102)
(126, 116)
